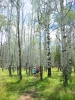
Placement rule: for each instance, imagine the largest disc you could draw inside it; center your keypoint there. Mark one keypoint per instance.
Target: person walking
(34, 72)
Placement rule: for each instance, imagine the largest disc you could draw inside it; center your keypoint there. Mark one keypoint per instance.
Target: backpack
(37, 70)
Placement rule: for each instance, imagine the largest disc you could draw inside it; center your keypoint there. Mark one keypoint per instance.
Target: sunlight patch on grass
(66, 96)
(48, 89)
(2, 91)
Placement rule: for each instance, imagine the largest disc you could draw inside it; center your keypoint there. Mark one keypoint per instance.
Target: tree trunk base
(49, 72)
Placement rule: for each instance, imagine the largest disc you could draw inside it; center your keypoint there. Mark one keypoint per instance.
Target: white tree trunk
(64, 52)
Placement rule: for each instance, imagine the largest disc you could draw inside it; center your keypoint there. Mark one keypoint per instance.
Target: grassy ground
(48, 89)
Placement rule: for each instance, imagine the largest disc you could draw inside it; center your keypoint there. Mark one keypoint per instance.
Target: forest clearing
(29, 89)
(37, 49)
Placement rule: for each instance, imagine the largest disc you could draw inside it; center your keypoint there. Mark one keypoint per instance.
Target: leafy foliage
(2, 20)
(57, 55)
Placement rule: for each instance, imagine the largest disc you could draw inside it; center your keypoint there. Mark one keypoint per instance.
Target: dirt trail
(29, 95)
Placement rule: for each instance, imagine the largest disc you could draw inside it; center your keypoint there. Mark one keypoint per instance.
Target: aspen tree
(69, 51)
(19, 42)
(64, 52)
(38, 15)
(1, 51)
(9, 36)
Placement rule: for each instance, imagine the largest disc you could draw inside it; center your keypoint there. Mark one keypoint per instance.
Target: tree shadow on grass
(24, 85)
(33, 93)
(59, 93)
(54, 95)
(35, 88)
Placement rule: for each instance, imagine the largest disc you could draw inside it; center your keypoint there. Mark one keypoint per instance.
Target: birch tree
(64, 53)
(9, 36)
(18, 32)
(37, 17)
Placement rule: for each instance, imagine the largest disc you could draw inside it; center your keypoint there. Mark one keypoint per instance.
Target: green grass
(48, 89)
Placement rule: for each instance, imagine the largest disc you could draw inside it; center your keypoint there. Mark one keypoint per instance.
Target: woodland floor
(30, 88)
(29, 95)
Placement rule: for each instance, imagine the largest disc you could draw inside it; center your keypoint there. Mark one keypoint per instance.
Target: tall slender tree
(64, 52)
(18, 32)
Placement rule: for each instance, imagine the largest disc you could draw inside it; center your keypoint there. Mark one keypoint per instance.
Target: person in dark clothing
(37, 71)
